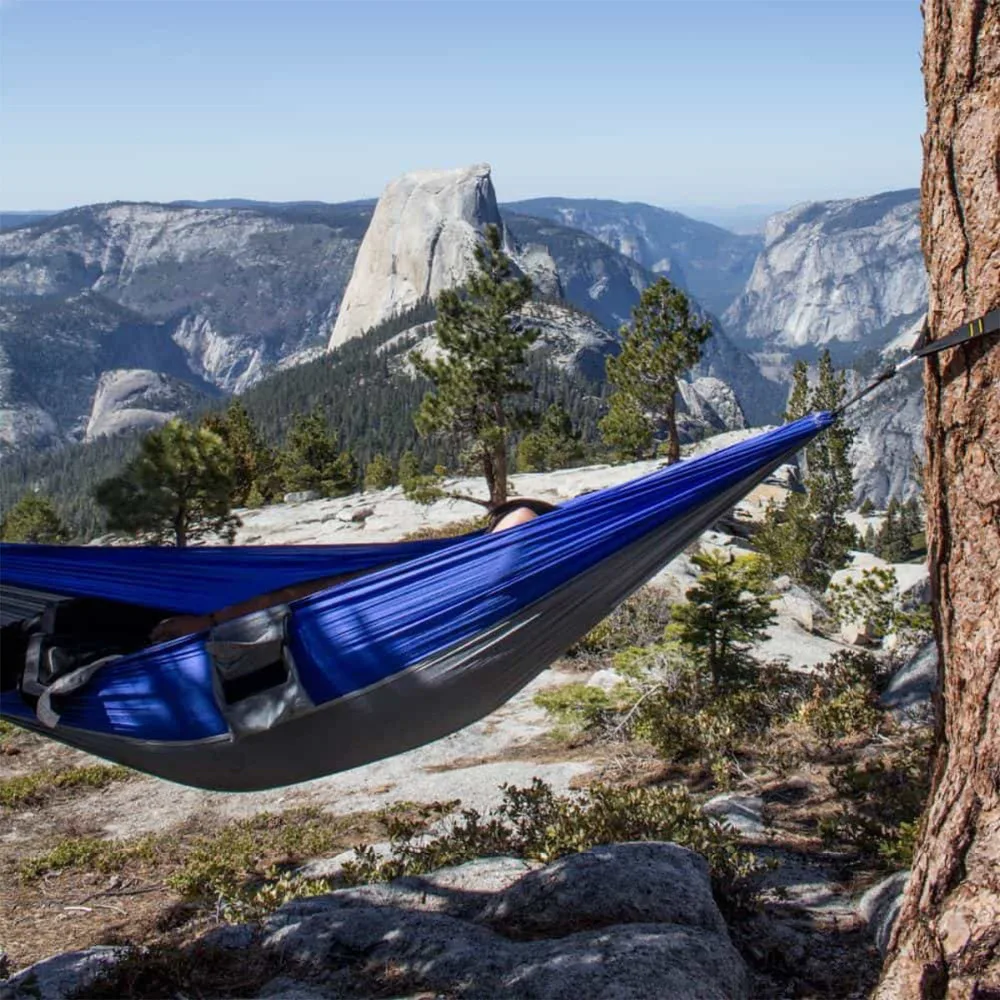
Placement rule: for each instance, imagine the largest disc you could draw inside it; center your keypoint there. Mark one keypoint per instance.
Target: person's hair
(502, 510)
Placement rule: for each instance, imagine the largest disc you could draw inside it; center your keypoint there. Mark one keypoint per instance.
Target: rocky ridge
(218, 295)
(713, 264)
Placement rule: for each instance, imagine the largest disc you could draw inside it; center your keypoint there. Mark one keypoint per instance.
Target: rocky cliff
(848, 276)
(236, 289)
(849, 271)
(54, 351)
(713, 264)
(420, 241)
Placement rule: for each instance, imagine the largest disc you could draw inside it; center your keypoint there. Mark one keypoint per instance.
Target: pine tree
(625, 429)
(830, 479)
(177, 488)
(33, 519)
(409, 467)
(554, 445)
(312, 459)
(664, 342)
(809, 536)
(481, 368)
(798, 398)
(894, 541)
(378, 473)
(254, 463)
(726, 611)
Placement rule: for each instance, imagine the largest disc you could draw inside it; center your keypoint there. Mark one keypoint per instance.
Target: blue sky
(682, 104)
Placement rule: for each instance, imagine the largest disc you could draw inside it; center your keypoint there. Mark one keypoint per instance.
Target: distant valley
(115, 316)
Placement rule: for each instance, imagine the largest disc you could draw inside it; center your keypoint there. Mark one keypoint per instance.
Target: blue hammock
(433, 636)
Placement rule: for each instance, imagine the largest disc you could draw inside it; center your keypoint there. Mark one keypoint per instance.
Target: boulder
(880, 905)
(744, 813)
(60, 976)
(799, 605)
(625, 920)
(909, 696)
(302, 496)
(640, 883)
(709, 403)
(606, 680)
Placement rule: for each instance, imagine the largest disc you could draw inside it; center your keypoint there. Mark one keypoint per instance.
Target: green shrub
(90, 853)
(450, 530)
(845, 695)
(636, 622)
(884, 799)
(534, 822)
(220, 865)
(585, 708)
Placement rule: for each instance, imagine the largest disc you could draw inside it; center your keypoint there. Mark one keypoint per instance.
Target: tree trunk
(495, 472)
(673, 441)
(947, 941)
(500, 468)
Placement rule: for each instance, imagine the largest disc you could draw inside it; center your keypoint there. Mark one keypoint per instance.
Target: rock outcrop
(53, 353)
(849, 271)
(420, 241)
(910, 694)
(707, 406)
(889, 440)
(624, 920)
(879, 907)
(130, 399)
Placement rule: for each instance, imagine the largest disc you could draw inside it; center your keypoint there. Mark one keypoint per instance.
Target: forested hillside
(360, 389)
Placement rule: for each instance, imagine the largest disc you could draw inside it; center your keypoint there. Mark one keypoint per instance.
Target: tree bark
(673, 438)
(946, 943)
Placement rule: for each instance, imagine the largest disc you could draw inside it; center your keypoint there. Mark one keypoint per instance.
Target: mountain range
(116, 315)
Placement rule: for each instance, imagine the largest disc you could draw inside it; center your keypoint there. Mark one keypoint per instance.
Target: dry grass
(42, 786)
(83, 889)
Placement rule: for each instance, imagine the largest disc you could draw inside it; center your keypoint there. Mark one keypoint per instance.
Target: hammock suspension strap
(981, 327)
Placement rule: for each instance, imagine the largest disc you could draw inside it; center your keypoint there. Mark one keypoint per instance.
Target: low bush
(637, 621)
(451, 530)
(240, 869)
(220, 865)
(584, 708)
(535, 822)
(90, 853)
(884, 797)
(844, 699)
